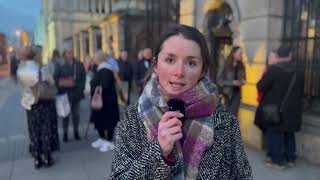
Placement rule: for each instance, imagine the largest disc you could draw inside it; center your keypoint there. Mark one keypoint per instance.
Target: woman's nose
(179, 70)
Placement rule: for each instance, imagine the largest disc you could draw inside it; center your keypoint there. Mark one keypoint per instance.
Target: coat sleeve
(266, 81)
(132, 162)
(221, 80)
(56, 75)
(81, 80)
(94, 83)
(241, 166)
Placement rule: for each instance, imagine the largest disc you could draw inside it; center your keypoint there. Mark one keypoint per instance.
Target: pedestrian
(142, 68)
(53, 63)
(52, 113)
(112, 62)
(282, 86)
(14, 63)
(106, 118)
(70, 78)
(203, 143)
(113, 65)
(231, 77)
(39, 113)
(126, 74)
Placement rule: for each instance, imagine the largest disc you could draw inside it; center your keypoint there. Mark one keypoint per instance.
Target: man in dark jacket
(126, 73)
(14, 63)
(275, 84)
(70, 77)
(143, 66)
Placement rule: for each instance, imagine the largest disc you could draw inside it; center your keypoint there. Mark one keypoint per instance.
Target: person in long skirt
(39, 112)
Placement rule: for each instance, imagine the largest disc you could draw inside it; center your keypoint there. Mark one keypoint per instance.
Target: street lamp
(18, 33)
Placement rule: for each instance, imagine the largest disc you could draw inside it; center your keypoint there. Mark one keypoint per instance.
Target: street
(77, 160)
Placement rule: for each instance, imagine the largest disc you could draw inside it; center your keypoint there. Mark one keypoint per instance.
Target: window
(97, 6)
(302, 33)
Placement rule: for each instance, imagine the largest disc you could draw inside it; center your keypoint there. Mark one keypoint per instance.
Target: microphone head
(177, 105)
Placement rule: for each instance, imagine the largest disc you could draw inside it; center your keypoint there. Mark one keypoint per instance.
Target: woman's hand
(169, 131)
(236, 83)
(243, 82)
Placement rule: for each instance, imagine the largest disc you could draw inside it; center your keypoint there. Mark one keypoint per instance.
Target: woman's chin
(175, 91)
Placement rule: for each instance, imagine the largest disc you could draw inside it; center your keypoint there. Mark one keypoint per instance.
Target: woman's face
(179, 64)
(237, 56)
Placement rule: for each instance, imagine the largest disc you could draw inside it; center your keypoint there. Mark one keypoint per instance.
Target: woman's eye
(169, 60)
(191, 63)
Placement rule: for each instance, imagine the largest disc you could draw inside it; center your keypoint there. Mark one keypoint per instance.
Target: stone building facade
(64, 18)
(258, 27)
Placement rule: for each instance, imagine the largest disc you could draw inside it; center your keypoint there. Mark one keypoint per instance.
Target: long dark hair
(55, 54)
(189, 33)
(229, 63)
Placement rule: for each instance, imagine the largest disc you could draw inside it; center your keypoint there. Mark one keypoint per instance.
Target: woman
(106, 118)
(39, 111)
(231, 78)
(152, 143)
(54, 61)
(48, 75)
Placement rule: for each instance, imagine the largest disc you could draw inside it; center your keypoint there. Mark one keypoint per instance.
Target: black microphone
(177, 105)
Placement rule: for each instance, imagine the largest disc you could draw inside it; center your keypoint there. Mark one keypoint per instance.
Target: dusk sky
(18, 14)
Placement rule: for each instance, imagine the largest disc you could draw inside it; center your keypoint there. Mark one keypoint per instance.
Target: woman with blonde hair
(106, 117)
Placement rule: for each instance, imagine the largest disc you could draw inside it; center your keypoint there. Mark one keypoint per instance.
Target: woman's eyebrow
(170, 54)
(192, 57)
(188, 57)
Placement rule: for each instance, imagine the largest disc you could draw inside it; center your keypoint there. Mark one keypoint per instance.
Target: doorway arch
(219, 34)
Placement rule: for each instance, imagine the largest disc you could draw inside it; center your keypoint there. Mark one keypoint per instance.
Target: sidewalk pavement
(90, 164)
(4, 70)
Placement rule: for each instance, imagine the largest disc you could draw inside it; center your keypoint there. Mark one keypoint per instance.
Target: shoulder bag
(96, 102)
(271, 112)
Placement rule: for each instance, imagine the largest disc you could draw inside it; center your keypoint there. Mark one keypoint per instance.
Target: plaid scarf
(200, 106)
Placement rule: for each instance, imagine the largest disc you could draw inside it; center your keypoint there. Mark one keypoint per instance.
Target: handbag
(271, 112)
(63, 105)
(96, 102)
(43, 90)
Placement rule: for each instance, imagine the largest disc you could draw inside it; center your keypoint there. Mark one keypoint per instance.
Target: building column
(187, 12)
(100, 6)
(92, 33)
(105, 36)
(83, 45)
(76, 45)
(106, 6)
(93, 6)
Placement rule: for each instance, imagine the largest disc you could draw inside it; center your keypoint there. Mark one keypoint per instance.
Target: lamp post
(18, 34)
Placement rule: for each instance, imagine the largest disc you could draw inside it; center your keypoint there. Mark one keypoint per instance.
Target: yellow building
(259, 26)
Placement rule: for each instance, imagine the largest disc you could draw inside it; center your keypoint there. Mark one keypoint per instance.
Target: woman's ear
(155, 69)
(154, 65)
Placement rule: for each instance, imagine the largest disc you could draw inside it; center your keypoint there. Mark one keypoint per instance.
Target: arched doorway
(219, 35)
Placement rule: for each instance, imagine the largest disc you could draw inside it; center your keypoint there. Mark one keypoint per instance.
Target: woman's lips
(177, 84)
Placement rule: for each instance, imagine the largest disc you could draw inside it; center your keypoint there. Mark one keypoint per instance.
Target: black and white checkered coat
(136, 159)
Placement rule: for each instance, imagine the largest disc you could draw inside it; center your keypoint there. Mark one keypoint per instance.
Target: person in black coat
(143, 67)
(126, 73)
(106, 118)
(70, 78)
(14, 63)
(274, 86)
